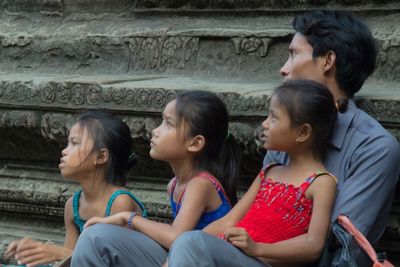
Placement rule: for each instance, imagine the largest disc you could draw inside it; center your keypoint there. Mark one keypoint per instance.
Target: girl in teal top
(98, 156)
(193, 138)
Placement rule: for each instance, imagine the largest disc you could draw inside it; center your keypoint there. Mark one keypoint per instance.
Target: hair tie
(341, 105)
(132, 156)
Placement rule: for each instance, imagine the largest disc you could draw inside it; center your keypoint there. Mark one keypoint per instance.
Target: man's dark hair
(351, 40)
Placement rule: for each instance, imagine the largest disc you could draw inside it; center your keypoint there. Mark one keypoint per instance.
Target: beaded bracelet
(130, 225)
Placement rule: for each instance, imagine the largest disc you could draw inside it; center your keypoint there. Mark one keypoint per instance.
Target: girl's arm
(305, 248)
(237, 212)
(71, 232)
(194, 203)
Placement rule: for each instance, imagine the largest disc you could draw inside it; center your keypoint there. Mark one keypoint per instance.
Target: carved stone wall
(59, 58)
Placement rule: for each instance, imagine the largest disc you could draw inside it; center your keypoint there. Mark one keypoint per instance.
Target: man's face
(300, 64)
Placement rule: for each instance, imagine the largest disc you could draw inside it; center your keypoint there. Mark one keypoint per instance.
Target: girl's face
(278, 132)
(77, 159)
(168, 142)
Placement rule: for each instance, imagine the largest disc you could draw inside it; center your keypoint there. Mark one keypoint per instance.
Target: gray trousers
(198, 249)
(110, 245)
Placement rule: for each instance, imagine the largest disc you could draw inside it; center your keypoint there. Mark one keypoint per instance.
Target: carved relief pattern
(130, 97)
(78, 94)
(238, 103)
(117, 96)
(55, 126)
(161, 53)
(47, 92)
(63, 94)
(3, 87)
(386, 110)
(252, 45)
(225, 4)
(93, 94)
(149, 53)
(16, 118)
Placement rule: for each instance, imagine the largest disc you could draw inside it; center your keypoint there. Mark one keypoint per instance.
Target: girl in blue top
(98, 156)
(193, 138)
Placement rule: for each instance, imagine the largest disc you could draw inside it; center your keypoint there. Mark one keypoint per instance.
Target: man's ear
(102, 156)
(196, 143)
(304, 133)
(329, 61)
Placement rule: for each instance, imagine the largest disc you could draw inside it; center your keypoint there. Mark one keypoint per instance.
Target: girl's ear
(196, 143)
(304, 133)
(102, 156)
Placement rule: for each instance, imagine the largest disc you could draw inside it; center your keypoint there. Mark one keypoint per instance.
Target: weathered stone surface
(240, 47)
(58, 58)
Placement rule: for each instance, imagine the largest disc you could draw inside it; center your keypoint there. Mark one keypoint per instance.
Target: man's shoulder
(366, 125)
(367, 133)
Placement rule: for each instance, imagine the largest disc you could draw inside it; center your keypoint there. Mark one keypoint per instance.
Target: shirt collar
(343, 124)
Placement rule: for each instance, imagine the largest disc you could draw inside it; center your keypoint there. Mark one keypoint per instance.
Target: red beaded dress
(280, 211)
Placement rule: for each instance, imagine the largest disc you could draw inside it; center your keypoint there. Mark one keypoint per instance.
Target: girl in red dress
(285, 214)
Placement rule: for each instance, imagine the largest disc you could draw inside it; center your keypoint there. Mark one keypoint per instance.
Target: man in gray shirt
(339, 51)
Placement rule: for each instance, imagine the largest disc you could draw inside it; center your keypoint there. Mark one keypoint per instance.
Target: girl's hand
(11, 249)
(32, 253)
(241, 239)
(120, 218)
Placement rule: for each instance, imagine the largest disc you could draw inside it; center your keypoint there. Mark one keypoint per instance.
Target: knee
(95, 234)
(187, 240)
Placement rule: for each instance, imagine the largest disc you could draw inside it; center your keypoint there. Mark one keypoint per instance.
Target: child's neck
(96, 188)
(305, 160)
(183, 171)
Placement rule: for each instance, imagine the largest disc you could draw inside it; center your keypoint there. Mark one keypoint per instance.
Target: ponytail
(341, 105)
(229, 159)
(206, 114)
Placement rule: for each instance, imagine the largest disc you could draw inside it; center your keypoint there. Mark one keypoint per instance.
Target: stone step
(32, 200)
(238, 48)
(62, 8)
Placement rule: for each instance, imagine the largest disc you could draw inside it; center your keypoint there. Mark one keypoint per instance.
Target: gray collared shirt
(366, 160)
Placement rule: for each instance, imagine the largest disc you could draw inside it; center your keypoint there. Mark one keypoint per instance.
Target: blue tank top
(207, 217)
(79, 222)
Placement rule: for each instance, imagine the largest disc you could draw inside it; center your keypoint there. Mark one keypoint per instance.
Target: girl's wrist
(129, 222)
(258, 250)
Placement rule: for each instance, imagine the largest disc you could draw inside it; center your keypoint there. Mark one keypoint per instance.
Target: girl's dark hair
(110, 132)
(206, 115)
(310, 102)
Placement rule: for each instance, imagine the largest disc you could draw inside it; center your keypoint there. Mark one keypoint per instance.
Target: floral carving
(10, 92)
(63, 94)
(47, 92)
(252, 46)
(191, 47)
(93, 94)
(107, 94)
(144, 97)
(149, 53)
(171, 52)
(78, 94)
(117, 95)
(3, 87)
(159, 98)
(130, 97)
